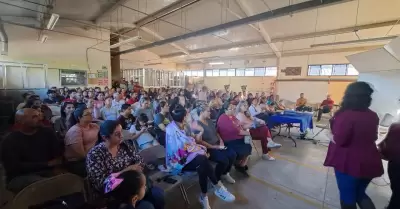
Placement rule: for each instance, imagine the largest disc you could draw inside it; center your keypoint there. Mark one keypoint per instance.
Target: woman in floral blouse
(114, 155)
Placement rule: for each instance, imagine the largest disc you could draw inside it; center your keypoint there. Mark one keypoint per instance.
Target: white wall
(61, 51)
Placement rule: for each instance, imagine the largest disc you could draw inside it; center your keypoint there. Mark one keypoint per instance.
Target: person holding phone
(206, 135)
(141, 133)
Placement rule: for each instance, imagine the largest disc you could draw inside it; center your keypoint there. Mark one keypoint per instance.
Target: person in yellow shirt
(301, 104)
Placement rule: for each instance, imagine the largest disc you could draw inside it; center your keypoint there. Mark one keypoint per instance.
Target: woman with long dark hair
(352, 151)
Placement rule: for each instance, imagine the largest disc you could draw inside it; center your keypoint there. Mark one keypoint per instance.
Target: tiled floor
(296, 180)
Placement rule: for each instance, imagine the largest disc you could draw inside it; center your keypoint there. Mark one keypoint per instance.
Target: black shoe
(242, 170)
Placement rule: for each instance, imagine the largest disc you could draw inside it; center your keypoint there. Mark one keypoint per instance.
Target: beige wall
(61, 51)
(254, 84)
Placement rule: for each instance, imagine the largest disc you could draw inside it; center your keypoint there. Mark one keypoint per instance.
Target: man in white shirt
(117, 101)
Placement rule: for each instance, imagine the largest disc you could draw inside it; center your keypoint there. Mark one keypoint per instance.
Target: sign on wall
(292, 71)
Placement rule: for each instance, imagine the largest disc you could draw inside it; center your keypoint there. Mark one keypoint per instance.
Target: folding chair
(322, 127)
(48, 189)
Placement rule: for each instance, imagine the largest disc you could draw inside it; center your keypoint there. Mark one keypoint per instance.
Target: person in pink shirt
(233, 134)
(79, 139)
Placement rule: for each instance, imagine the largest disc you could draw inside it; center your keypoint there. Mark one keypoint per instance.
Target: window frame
(332, 70)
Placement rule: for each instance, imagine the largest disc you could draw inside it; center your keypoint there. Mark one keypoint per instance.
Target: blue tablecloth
(304, 119)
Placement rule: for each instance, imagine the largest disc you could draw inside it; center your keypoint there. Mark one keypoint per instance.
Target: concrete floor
(297, 179)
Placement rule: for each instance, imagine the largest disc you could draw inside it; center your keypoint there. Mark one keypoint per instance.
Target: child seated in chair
(141, 133)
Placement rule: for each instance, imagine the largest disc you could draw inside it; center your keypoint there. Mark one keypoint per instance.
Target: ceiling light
(222, 32)
(44, 39)
(216, 63)
(52, 22)
(355, 41)
(234, 49)
(125, 41)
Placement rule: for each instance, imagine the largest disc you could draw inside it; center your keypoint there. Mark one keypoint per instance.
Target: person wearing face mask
(80, 138)
(114, 155)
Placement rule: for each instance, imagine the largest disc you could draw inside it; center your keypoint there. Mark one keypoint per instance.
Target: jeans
(352, 190)
(323, 109)
(202, 165)
(224, 160)
(394, 176)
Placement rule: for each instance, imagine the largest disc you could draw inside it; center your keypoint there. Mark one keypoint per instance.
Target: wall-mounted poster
(292, 71)
(102, 77)
(73, 77)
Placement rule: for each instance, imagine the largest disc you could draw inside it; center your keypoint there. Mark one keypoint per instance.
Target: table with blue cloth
(289, 118)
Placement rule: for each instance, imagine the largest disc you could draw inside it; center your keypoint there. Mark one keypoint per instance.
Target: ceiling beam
(312, 4)
(107, 12)
(159, 37)
(336, 31)
(164, 12)
(243, 4)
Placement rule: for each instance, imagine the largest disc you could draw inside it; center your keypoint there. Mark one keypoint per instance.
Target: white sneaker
(228, 178)
(205, 204)
(272, 144)
(268, 157)
(224, 194)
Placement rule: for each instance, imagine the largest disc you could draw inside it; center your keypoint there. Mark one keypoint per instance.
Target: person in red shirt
(71, 96)
(325, 107)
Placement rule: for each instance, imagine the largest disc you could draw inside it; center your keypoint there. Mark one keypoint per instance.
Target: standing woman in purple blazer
(353, 152)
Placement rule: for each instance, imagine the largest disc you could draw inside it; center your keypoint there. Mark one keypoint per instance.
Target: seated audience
(51, 98)
(145, 108)
(258, 129)
(79, 100)
(114, 155)
(26, 97)
(141, 133)
(34, 101)
(108, 112)
(31, 153)
(258, 110)
(271, 99)
(325, 107)
(280, 105)
(161, 121)
(99, 101)
(182, 98)
(301, 104)
(209, 138)
(44, 122)
(126, 190)
(133, 98)
(183, 154)
(71, 96)
(250, 98)
(95, 112)
(79, 139)
(232, 133)
(62, 125)
(126, 119)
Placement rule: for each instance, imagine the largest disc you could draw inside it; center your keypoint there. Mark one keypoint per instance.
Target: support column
(115, 60)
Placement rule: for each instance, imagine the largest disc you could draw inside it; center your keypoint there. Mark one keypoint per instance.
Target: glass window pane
(240, 72)
(351, 70)
(200, 73)
(223, 72)
(209, 72)
(231, 72)
(259, 71)
(326, 69)
(314, 69)
(216, 72)
(194, 73)
(249, 72)
(271, 71)
(339, 69)
(187, 73)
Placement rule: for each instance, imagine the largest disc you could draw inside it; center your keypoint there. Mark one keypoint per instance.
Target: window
(249, 72)
(223, 72)
(329, 70)
(200, 73)
(215, 72)
(240, 72)
(187, 73)
(339, 69)
(231, 72)
(351, 70)
(259, 71)
(271, 71)
(209, 72)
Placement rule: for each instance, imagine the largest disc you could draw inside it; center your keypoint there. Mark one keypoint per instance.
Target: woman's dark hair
(142, 118)
(63, 106)
(107, 128)
(160, 106)
(129, 187)
(177, 112)
(30, 102)
(124, 107)
(78, 113)
(357, 97)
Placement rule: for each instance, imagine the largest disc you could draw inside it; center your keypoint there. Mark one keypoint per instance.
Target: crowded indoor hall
(204, 104)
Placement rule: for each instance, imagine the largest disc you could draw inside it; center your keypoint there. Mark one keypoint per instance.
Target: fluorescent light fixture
(53, 21)
(216, 63)
(44, 39)
(125, 41)
(234, 49)
(387, 38)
